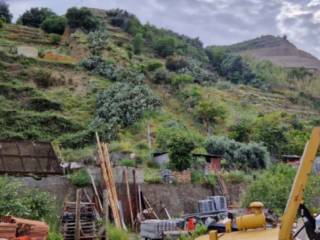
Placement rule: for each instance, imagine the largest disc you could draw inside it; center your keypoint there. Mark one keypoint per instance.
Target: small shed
(213, 161)
(28, 157)
(293, 160)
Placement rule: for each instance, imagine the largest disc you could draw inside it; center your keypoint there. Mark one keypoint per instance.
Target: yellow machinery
(252, 226)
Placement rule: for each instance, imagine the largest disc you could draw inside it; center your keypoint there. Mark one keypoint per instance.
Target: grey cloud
(214, 21)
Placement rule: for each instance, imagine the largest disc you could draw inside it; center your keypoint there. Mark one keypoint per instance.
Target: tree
(35, 16)
(180, 147)
(241, 131)
(82, 18)
(123, 104)
(272, 187)
(210, 112)
(165, 46)
(137, 43)
(54, 24)
(5, 14)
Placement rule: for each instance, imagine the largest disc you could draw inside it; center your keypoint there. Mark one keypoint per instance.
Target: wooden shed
(213, 161)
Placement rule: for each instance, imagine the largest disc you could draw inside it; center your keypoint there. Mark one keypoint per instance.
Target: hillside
(278, 50)
(61, 91)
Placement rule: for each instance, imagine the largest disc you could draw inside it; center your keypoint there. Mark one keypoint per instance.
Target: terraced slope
(278, 50)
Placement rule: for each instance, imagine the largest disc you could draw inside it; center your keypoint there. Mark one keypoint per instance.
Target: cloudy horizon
(215, 22)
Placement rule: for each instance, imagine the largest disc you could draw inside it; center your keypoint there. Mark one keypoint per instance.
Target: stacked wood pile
(12, 227)
(8, 230)
(87, 219)
(109, 184)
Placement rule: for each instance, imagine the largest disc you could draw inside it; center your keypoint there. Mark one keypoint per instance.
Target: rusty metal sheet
(28, 157)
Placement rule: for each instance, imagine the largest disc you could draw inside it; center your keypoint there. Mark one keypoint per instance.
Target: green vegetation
(272, 187)
(238, 155)
(81, 18)
(55, 38)
(34, 17)
(80, 178)
(133, 75)
(137, 43)
(54, 24)
(19, 201)
(115, 233)
(5, 14)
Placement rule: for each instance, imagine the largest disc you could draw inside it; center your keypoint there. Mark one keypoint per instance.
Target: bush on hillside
(124, 104)
(137, 43)
(34, 17)
(82, 18)
(235, 69)
(165, 46)
(55, 38)
(238, 155)
(124, 20)
(252, 156)
(161, 76)
(97, 65)
(154, 65)
(97, 41)
(42, 104)
(241, 130)
(5, 14)
(176, 63)
(209, 112)
(180, 80)
(54, 24)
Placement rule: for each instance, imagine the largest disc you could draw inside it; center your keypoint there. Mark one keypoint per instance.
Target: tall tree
(5, 14)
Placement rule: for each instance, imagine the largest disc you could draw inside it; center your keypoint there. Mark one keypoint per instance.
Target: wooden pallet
(87, 221)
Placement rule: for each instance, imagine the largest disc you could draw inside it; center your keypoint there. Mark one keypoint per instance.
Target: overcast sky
(217, 22)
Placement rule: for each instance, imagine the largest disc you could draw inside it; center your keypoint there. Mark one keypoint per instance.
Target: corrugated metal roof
(28, 157)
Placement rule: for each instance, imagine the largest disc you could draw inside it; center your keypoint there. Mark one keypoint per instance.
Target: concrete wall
(178, 199)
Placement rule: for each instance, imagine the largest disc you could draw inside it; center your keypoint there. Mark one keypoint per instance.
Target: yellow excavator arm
(299, 185)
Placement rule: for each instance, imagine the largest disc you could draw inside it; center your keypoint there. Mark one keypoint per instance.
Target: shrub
(115, 233)
(161, 76)
(54, 24)
(137, 43)
(35, 16)
(180, 80)
(272, 187)
(81, 18)
(241, 131)
(55, 38)
(5, 14)
(176, 63)
(252, 156)
(165, 46)
(238, 155)
(210, 112)
(154, 65)
(17, 200)
(97, 41)
(234, 177)
(123, 104)
(80, 178)
(124, 20)
(127, 163)
(97, 65)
